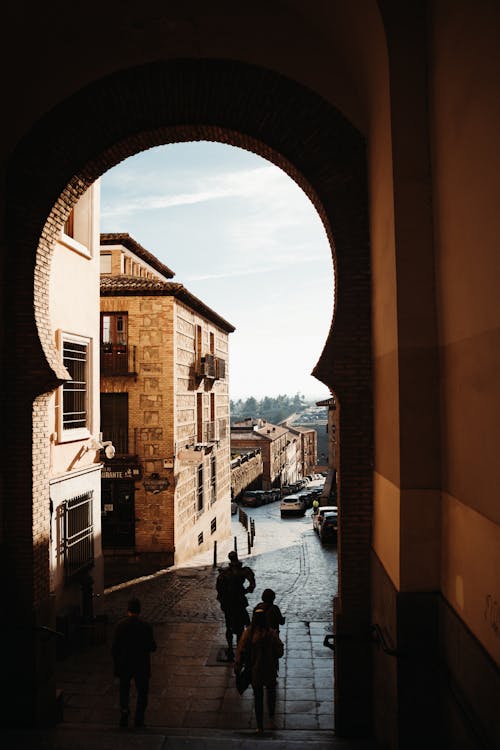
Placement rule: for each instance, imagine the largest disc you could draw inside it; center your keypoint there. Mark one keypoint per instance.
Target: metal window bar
(75, 390)
(78, 534)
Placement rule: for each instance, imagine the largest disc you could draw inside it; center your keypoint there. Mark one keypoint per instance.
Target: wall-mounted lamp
(93, 444)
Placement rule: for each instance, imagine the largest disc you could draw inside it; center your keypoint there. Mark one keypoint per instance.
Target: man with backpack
(233, 583)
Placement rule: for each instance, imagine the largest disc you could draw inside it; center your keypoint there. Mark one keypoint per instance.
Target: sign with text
(121, 471)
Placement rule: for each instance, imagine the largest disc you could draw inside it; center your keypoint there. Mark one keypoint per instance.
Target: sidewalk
(193, 702)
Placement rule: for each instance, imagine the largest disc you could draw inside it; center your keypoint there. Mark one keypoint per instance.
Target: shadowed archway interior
(187, 100)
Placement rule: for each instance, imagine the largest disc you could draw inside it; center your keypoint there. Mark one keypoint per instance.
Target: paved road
(190, 687)
(286, 556)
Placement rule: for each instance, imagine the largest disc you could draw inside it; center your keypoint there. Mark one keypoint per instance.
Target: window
(78, 535)
(197, 345)
(114, 328)
(114, 420)
(200, 538)
(213, 525)
(105, 262)
(69, 224)
(78, 230)
(213, 479)
(116, 356)
(212, 343)
(200, 488)
(199, 417)
(74, 416)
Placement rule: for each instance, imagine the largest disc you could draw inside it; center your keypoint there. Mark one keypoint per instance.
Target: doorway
(118, 515)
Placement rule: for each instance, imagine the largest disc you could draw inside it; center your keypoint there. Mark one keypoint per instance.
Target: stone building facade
(246, 471)
(278, 460)
(307, 448)
(165, 406)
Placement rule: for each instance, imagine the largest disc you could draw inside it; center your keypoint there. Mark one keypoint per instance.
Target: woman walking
(260, 647)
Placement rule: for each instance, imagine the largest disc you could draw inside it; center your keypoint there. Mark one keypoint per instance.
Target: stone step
(76, 737)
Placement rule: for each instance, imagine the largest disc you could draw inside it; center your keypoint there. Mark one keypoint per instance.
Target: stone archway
(82, 138)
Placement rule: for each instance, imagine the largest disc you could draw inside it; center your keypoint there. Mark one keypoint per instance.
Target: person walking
(273, 613)
(231, 593)
(261, 648)
(133, 642)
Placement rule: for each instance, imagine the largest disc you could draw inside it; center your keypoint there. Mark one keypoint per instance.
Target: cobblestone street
(190, 688)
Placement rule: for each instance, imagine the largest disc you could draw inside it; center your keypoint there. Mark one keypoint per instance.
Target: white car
(292, 505)
(318, 516)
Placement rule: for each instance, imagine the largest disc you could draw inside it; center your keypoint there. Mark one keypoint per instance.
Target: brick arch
(232, 103)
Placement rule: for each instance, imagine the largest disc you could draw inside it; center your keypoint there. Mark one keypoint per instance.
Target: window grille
(213, 525)
(78, 534)
(75, 391)
(200, 538)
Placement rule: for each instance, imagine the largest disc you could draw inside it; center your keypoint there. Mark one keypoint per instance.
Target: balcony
(210, 367)
(118, 359)
(211, 432)
(206, 367)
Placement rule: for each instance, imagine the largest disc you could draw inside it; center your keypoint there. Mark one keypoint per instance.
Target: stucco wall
(465, 120)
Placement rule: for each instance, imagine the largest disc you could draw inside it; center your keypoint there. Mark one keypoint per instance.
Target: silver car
(292, 505)
(318, 516)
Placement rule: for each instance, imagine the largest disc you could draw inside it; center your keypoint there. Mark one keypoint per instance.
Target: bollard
(249, 541)
(252, 528)
(236, 544)
(215, 553)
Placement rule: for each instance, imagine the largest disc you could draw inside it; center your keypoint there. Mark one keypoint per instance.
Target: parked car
(234, 508)
(307, 497)
(252, 498)
(271, 495)
(291, 489)
(292, 505)
(328, 527)
(317, 517)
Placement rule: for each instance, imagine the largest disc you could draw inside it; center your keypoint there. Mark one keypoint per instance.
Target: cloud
(235, 184)
(276, 265)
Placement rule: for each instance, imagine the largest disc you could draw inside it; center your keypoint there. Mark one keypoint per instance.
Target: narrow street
(190, 687)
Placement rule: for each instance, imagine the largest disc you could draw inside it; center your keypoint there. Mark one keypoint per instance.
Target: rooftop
(128, 286)
(123, 238)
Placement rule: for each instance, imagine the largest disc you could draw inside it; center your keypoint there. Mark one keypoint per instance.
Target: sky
(247, 241)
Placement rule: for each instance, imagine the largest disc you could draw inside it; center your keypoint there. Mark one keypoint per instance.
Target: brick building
(307, 448)
(279, 461)
(165, 406)
(332, 484)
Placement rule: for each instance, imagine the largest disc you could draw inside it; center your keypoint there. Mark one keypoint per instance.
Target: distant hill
(272, 409)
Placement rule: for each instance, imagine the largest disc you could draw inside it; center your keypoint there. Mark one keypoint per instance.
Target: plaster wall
(74, 309)
(465, 122)
(471, 561)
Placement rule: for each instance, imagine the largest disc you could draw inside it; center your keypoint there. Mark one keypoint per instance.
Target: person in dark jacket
(273, 613)
(133, 643)
(231, 593)
(260, 647)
